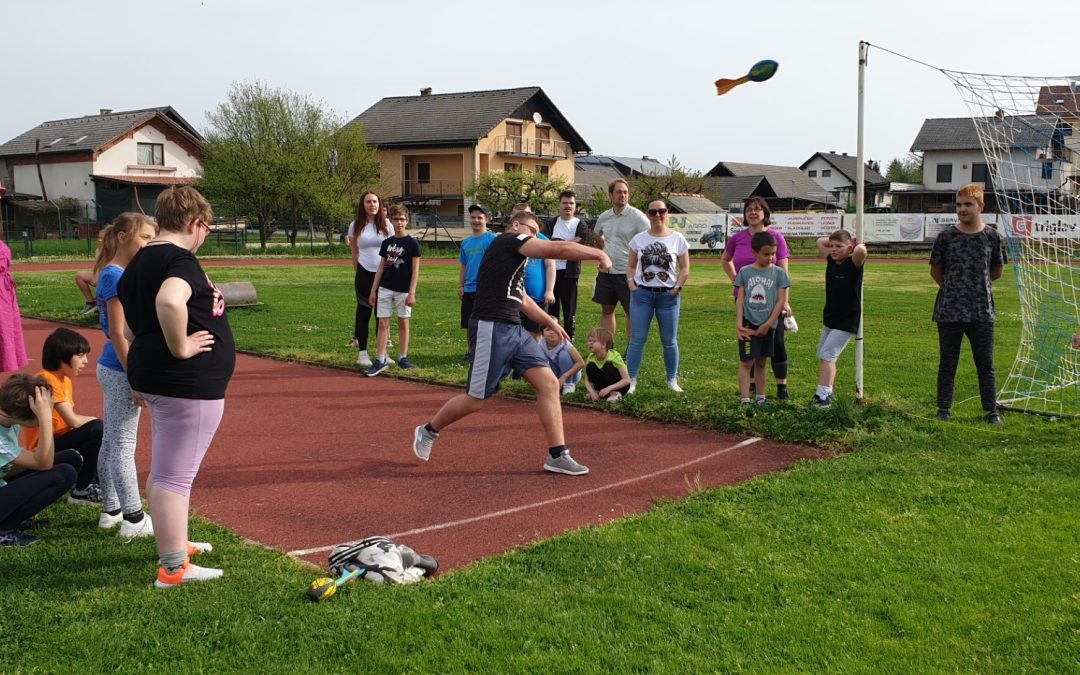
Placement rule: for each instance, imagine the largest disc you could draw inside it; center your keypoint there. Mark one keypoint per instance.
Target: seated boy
(30, 479)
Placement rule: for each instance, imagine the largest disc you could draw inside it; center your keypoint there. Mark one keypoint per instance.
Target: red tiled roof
(1059, 100)
(148, 180)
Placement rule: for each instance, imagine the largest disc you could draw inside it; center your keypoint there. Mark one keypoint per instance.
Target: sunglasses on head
(657, 212)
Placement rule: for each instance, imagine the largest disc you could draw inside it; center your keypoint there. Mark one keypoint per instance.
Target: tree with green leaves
(499, 191)
(273, 154)
(906, 170)
(678, 180)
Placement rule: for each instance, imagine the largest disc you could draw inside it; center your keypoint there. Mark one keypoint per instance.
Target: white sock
(823, 391)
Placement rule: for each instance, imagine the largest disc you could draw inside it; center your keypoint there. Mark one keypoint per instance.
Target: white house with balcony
(115, 161)
(837, 174)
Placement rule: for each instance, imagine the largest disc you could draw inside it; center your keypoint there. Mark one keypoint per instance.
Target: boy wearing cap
(473, 248)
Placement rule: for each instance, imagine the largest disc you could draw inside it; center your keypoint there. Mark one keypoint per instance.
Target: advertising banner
(797, 224)
(893, 227)
(703, 231)
(1043, 226)
(936, 222)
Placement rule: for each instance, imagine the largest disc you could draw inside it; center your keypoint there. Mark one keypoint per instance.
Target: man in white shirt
(566, 227)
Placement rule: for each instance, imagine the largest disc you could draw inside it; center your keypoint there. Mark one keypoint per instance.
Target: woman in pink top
(737, 253)
(12, 347)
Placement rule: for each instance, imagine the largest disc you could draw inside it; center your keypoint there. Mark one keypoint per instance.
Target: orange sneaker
(188, 572)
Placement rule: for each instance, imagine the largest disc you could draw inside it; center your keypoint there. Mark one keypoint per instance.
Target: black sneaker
(994, 419)
(34, 524)
(782, 393)
(16, 538)
(944, 415)
(823, 403)
(88, 496)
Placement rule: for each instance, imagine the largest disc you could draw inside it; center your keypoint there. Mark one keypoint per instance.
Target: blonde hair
(178, 206)
(974, 191)
(126, 223)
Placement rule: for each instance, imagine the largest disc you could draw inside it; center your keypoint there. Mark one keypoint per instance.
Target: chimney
(104, 111)
(844, 154)
(426, 91)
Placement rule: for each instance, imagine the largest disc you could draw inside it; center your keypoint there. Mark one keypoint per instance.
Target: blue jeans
(644, 304)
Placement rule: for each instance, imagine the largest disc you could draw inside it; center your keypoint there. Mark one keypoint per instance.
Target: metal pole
(860, 190)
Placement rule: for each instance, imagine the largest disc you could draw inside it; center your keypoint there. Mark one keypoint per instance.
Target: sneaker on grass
(143, 528)
(88, 496)
(16, 538)
(354, 343)
(405, 364)
(107, 521)
(363, 360)
(564, 463)
(422, 442)
(569, 388)
(379, 366)
(823, 403)
(89, 308)
(196, 547)
(186, 574)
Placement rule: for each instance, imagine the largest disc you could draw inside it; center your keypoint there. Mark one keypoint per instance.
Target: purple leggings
(182, 431)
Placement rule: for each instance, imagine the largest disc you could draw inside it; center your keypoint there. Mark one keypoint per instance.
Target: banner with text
(1043, 226)
(703, 231)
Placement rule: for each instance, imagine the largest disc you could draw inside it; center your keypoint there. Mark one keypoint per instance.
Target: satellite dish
(537, 117)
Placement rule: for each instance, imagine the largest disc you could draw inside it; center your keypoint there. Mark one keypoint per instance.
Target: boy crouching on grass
(394, 288)
(762, 294)
(844, 260)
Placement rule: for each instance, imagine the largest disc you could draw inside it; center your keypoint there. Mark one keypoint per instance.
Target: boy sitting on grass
(762, 294)
(606, 376)
(30, 479)
(64, 355)
(394, 287)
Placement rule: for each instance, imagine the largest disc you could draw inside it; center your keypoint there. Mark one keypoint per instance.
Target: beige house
(433, 146)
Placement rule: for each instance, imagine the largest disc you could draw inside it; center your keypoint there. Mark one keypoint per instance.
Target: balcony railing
(532, 147)
(435, 187)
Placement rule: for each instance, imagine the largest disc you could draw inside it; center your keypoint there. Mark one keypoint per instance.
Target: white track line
(536, 505)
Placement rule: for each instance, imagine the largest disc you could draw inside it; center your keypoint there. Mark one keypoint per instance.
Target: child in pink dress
(12, 347)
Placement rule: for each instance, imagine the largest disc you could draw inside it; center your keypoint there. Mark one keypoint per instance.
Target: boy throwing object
(502, 344)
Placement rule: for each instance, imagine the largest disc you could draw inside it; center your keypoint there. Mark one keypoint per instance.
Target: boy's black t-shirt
(843, 293)
(397, 254)
(152, 369)
(500, 282)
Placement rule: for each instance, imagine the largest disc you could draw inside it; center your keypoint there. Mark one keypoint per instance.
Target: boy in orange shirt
(63, 356)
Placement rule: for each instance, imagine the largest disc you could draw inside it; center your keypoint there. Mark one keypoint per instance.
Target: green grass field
(921, 546)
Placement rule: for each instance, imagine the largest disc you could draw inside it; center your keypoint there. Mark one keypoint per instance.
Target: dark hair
(613, 183)
(759, 201)
(362, 217)
(842, 236)
(15, 395)
(567, 193)
(61, 345)
(761, 239)
(397, 210)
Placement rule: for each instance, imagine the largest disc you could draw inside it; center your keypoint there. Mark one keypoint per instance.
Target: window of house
(980, 173)
(944, 173)
(511, 166)
(542, 169)
(1047, 170)
(423, 172)
(813, 173)
(825, 173)
(151, 154)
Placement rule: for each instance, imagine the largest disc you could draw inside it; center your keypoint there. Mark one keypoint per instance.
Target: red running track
(308, 457)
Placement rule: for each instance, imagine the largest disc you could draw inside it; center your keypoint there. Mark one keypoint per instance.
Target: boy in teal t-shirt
(762, 294)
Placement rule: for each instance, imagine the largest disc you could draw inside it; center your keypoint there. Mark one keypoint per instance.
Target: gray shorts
(832, 344)
(500, 348)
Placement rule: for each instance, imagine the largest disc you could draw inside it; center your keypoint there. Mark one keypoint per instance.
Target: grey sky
(634, 78)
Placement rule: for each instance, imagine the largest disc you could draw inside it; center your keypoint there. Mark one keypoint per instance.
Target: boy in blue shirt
(473, 248)
(762, 294)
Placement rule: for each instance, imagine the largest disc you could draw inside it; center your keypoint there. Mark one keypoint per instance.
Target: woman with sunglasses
(656, 270)
(737, 253)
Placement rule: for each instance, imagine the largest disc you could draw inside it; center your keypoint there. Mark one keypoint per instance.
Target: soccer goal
(1029, 128)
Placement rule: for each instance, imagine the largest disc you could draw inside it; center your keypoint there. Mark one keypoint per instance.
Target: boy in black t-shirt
(844, 261)
(502, 344)
(394, 287)
(966, 259)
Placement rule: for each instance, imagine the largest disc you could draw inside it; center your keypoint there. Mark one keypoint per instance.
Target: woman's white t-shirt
(369, 242)
(657, 259)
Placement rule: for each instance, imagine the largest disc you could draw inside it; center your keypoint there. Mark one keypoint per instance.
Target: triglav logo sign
(1046, 227)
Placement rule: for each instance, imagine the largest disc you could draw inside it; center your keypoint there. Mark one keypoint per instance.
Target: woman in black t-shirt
(180, 361)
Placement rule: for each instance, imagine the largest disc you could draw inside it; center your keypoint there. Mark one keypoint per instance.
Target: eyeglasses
(205, 225)
(657, 212)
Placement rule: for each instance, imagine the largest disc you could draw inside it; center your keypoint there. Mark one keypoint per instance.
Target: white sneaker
(363, 359)
(673, 385)
(633, 386)
(107, 522)
(196, 547)
(143, 528)
(186, 574)
(569, 388)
